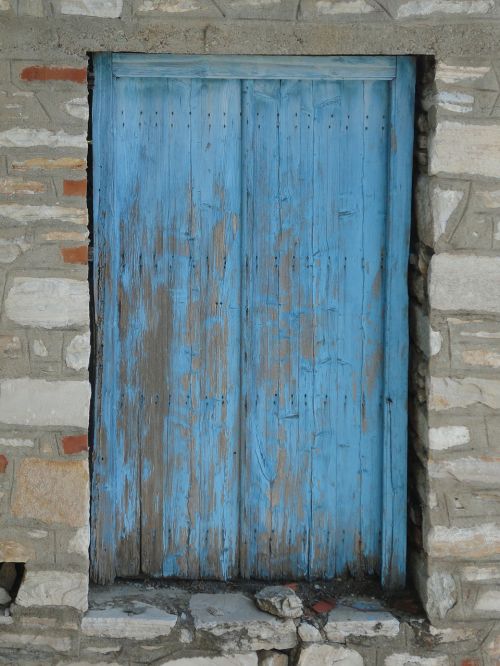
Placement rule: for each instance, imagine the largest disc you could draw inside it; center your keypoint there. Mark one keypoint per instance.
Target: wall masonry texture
(454, 485)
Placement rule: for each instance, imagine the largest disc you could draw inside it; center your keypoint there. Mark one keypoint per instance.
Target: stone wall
(455, 287)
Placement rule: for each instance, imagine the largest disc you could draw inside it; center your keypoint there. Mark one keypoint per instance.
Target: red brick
(3, 464)
(470, 662)
(323, 606)
(75, 255)
(42, 73)
(75, 443)
(75, 188)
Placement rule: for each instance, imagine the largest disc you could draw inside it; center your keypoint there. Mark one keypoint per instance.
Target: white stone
(78, 108)
(460, 73)
(53, 588)
(487, 574)
(144, 622)
(80, 542)
(465, 282)
(406, 659)
(48, 302)
(11, 441)
(489, 602)
(18, 137)
(279, 600)
(441, 594)
(478, 542)
(444, 203)
(38, 534)
(435, 342)
(249, 659)
(328, 655)
(39, 348)
(415, 8)
(457, 102)
(27, 214)
(344, 621)
(427, 339)
(448, 437)
(484, 470)
(169, 6)
(235, 619)
(453, 634)
(101, 8)
(308, 633)
(11, 249)
(78, 352)
(465, 148)
(327, 7)
(38, 402)
(449, 393)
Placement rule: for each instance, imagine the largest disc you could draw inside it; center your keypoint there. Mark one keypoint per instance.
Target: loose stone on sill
(308, 633)
(235, 619)
(279, 600)
(360, 619)
(137, 621)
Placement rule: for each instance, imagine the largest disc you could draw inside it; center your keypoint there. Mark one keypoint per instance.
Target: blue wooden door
(251, 227)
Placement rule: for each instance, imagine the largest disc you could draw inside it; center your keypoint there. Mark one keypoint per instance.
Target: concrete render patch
(137, 621)
(38, 402)
(344, 621)
(235, 619)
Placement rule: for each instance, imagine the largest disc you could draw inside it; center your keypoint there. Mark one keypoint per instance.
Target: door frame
(400, 72)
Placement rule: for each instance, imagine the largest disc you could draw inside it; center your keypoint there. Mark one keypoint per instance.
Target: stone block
(37, 641)
(441, 594)
(52, 491)
(137, 621)
(279, 600)
(474, 344)
(484, 470)
(465, 282)
(15, 551)
(198, 8)
(248, 659)
(259, 9)
(466, 543)
(473, 503)
(451, 393)
(100, 8)
(78, 352)
(446, 208)
(481, 574)
(337, 9)
(465, 148)
(488, 603)
(53, 588)
(19, 137)
(10, 346)
(28, 214)
(17, 442)
(359, 619)
(38, 402)
(406, 659)
(448, 437)
(308, 633)
(235, 620)
(48, 302)
(478, 75)
(12, 248)
(14, 185)
(328, 655)
(50, 164)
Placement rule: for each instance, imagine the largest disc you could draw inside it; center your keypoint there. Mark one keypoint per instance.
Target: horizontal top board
(254, 67)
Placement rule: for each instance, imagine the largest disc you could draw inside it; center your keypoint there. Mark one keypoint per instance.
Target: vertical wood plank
(396, 326)
(325, 239)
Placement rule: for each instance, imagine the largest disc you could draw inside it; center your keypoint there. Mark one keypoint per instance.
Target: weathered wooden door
(251, 228)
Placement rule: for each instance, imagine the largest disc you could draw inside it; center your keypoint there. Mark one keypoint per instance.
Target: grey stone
(138, 621)
(328, 655)
(235, 620)
(363, 620)
(441, 594)
(53, 588)
(250, 659)
(308, 633)
(279, 600)
(5, 597)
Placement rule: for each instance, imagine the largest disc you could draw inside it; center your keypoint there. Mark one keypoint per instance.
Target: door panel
(241, 291)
